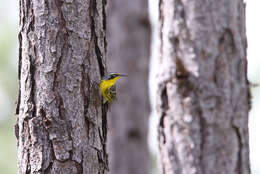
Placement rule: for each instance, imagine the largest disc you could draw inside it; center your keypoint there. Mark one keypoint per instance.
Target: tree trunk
(203, 95)
(62, 125)
(128, 52)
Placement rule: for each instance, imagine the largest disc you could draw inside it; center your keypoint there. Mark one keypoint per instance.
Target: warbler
(107, 86)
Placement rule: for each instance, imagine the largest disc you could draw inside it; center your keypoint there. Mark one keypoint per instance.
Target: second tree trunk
(203, 99)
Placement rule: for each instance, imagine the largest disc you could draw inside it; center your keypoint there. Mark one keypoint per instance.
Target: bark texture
(61, 127)
(203, 95)
(128, 53)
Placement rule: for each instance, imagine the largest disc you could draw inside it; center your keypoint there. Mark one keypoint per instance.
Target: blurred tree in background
(128, 37)
(8, 84)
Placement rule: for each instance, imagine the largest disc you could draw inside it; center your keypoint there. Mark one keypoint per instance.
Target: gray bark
(203, 94)
(61, 126)
(128, 52)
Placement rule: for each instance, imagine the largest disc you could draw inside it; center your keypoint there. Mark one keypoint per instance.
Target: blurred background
(8, 82)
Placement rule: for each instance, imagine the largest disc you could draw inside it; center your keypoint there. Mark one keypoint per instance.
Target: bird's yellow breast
(106, 84)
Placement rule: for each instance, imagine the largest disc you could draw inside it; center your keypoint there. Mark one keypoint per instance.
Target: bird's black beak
(122, 75)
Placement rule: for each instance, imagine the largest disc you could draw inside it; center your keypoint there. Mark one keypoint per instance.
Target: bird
(107, 86)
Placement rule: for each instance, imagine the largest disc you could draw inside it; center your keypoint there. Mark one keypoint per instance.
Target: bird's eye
(112, 76)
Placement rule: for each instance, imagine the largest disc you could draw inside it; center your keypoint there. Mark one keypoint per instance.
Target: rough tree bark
(61, 127)
(128, 52)
(203, 94)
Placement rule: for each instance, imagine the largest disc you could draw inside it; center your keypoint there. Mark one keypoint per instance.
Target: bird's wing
(113, 92)
(113, 89)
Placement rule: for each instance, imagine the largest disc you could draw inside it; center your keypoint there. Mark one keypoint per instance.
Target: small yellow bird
(107, 86)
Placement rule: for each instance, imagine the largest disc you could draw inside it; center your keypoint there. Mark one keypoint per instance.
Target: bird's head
(113, 76)
(110, 79)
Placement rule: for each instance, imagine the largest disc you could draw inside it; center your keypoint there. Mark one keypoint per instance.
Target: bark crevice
(240, 147)
(164, 107)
